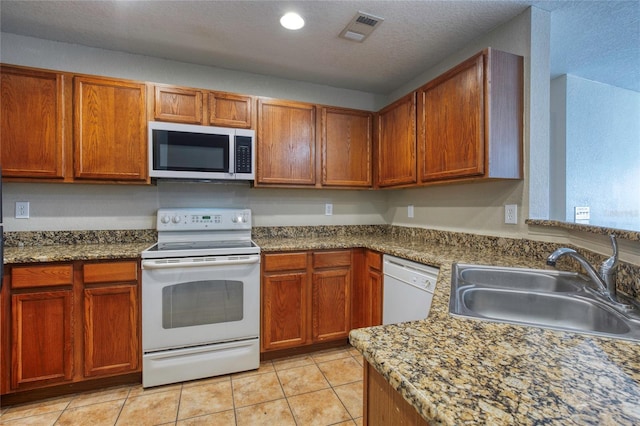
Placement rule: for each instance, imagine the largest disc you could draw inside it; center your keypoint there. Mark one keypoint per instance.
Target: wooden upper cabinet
(198, 106)
(470, 120)
(36, 122)
(286, 143)
(396, 143)
(176, 104)
(346, 146)
(230, 110)
(110, 137)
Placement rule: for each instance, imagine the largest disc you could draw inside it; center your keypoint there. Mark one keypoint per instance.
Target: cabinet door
(110, 330)
(34, 115)
(374, 288)
(451, 111)
(366, 300)
(110, 129)
(42, 342)
(284, 310)
(331, 304)
(228, 109)
(286, 143)
(178, 105)
(111, 346)
(396, 135)
(346, 146)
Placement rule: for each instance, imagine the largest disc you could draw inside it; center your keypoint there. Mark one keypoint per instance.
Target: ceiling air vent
(360, 27)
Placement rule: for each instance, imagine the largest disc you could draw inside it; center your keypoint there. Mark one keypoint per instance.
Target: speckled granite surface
(60, 246)
(458, 371)
(602, 230)
(409, 242)
(461, 371)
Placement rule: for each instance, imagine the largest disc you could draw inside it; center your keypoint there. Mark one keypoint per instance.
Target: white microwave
(187, 151)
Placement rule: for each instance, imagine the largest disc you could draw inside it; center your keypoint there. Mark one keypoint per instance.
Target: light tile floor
(321, 388)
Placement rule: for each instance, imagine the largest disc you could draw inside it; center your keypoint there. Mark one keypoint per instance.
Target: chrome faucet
(604, 279)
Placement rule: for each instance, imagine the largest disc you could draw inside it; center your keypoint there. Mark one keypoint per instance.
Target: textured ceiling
(246, 35)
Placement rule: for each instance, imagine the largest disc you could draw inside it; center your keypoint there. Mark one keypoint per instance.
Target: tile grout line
(286, 398)
(314, 361)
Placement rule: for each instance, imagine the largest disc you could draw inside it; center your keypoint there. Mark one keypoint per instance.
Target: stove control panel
(203, 219)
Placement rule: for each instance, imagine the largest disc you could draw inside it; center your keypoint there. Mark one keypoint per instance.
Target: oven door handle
(152, 264)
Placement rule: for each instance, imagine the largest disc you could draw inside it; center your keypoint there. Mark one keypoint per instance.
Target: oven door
(197, 301)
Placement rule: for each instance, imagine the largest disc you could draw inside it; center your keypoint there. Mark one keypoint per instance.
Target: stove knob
(165, 219)
(176, 219)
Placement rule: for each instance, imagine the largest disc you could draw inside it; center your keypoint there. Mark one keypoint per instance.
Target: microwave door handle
(152, 264)
(232, 154)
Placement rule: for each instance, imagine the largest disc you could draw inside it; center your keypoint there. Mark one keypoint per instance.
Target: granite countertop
(461, 371)
(64, 253)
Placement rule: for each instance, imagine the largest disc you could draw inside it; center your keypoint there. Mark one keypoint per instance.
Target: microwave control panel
(243, 154)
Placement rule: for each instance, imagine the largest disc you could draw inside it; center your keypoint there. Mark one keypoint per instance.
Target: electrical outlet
(511, 214)
(410, 210)
(22, 210)
(328, 209)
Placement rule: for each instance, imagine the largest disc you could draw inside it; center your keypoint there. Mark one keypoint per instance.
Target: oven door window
(202, 302)
(196, 152)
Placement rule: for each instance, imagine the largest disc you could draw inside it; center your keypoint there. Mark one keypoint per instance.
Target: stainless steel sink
(537, 297)
(526, 279)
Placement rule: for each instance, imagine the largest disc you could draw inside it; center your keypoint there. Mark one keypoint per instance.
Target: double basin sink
(538, 297)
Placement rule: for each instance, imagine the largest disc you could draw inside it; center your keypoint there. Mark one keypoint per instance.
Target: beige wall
(81, 207)
(460, 207)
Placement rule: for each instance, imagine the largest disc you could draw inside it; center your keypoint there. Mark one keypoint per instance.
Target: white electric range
(200, 296)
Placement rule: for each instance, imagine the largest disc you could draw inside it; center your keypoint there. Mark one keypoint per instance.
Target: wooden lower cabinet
(284, 309)
(306, 298)
(41, 338)
(384, 406)
(366, 301)
(331, 295)
(65, 323)
(111, 330)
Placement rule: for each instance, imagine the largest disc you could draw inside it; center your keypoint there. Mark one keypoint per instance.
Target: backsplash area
(628, 277)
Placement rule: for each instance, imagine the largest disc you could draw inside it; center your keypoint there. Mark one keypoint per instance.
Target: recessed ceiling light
(292, 21)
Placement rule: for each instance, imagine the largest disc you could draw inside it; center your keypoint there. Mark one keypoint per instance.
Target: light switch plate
(328, 209)
(582, 213)
(410, 210)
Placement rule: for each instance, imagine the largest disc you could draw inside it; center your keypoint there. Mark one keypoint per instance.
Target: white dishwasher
(408, 290)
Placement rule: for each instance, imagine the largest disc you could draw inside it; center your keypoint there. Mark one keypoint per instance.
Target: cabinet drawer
(328, 259)
(285, 261)
(41, 276)
(374, 260)
(110, 272)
